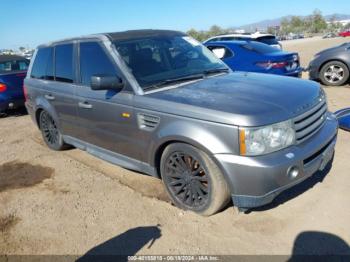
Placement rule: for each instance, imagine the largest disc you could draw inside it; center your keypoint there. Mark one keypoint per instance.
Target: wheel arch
(37, 116)
(41, 105)
(331, 60)
(171, 140)
(212, 139)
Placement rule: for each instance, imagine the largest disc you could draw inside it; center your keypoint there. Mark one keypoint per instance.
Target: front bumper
(313, 70)
(256, 181)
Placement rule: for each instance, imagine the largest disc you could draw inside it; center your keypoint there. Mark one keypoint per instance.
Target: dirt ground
(73, 203)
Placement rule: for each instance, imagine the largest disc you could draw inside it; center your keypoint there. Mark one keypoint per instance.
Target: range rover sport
(161, 103)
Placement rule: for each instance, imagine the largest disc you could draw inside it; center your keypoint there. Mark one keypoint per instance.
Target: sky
(32, 22)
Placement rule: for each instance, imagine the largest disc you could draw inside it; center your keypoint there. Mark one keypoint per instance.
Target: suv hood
(245, 99)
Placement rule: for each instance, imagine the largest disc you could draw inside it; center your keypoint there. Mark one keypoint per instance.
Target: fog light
(293, 172)
(11, 105)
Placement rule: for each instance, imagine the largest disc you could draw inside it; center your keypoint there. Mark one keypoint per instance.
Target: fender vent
(147, 122)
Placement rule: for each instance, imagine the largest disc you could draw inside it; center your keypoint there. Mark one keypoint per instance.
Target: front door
(106, 116)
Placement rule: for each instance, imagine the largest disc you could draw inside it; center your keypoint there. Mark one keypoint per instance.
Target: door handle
(85, 105)
(49, 97)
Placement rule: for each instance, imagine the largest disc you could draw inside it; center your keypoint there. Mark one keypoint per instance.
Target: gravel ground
(72, 203)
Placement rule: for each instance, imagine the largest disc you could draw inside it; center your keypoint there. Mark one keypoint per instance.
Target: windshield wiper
(216, 70)
(174, 80)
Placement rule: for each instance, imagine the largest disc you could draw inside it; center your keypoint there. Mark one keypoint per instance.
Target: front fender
(212, 138)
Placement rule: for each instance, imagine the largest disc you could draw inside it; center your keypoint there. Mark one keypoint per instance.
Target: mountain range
(264, 24)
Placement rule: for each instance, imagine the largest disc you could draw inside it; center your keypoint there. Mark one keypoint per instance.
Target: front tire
(192, 179)
(50, 132)
(334, 73)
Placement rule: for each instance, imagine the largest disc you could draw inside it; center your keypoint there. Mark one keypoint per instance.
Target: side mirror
(106, 82)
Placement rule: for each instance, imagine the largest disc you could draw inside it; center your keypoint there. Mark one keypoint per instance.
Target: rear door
(53, 77)
(106, 116)
(62, 90)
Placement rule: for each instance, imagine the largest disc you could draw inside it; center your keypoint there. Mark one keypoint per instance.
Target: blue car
(13, 70)
(343, 117)
(256, 57)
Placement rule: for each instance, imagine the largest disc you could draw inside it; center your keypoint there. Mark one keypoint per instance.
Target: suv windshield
(155, 60)
(259, 48)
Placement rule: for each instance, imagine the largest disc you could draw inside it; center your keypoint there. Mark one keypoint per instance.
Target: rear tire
(50, 132)
(334, 73)
(193, 180)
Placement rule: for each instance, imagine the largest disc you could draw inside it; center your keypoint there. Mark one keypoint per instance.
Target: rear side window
(235, 38)
(43, 64)
(94, 61)
(22, 65)
(6, 66)
(64, 63)
(221, 51)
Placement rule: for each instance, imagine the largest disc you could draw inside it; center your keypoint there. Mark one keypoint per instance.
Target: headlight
(266, 139)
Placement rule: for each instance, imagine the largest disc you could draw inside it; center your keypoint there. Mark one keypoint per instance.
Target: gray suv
(161, 103)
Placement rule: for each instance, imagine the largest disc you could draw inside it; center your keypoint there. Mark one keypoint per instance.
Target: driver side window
(94, 61)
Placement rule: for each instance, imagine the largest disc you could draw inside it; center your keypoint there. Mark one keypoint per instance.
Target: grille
(148, 122)
(308, 123)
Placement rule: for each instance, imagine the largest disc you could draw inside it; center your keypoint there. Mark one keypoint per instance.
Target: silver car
(161, 103)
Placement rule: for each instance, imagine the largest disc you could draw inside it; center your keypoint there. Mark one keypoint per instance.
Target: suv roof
(120, 36)
(135, 34)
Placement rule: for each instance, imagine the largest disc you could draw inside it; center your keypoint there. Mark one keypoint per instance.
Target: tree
(319, 24)
(271, 30)
(22, 49)
(194, 33)
(199, 35)
(285, 26)
(216, 30)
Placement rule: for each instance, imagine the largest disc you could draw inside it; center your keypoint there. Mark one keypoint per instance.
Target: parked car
(161, 103)
(329, 35)
(12, 72)
(345, 33)
(343, 117)
(258, 37)
(256, 57)
(331, 66)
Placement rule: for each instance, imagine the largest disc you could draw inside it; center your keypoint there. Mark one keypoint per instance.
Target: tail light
(3, 87)
(269, 64)
(25, 92)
